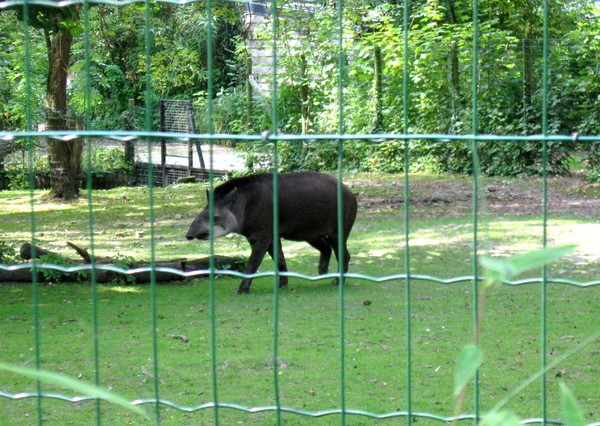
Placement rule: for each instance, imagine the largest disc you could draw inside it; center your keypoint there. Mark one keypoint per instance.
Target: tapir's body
(308, 210)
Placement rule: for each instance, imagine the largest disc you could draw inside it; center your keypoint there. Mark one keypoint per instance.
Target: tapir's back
(308, 206)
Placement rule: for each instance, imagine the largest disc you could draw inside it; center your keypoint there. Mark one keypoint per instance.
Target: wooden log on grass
(28, 252)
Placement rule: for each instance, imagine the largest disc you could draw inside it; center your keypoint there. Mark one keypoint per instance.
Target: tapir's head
(224, 221)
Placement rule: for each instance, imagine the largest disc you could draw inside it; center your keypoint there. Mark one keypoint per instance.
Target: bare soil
(451, 196)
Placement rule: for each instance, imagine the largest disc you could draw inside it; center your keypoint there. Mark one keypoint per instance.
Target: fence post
(163, 146)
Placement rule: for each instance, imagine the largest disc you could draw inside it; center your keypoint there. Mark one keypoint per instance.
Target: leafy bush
(230, 113)
(439, 80)
(107, 160)
(509, 96)
(54, 276)
(18, 172)
(125, 262)
(104, 160)
(387, 157)
(8, 253)
(592, 162)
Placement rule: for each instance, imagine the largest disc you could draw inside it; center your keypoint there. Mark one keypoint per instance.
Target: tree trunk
(249, 94)
(7, 148)
(304, 94)
(528, 77)
(130, 124)
(378, 87)
(455, 95)
(64, 156)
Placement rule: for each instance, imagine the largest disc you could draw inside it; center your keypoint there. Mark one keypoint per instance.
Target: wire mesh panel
(178, 117)
(434, 321)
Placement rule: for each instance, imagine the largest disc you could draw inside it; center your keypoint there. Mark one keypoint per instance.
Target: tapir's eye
(217, 219)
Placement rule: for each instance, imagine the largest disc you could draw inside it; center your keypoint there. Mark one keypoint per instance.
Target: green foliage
(14, 94)
(107, 160)
(471, 355)
(125, 262)
(103, 160)
(440, 48)
(592, 162)
(54, 276)
(229, 113)
(439, 79)
(20, 175)
(51, 19)
(499, 270)
(571, 411)
(469, 360)
(500, 418)
(117, 59)
(8, 253)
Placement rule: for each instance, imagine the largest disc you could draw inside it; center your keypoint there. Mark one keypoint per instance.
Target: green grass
(309, 340)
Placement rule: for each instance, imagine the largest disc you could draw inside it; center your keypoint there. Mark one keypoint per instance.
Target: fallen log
(137, 272)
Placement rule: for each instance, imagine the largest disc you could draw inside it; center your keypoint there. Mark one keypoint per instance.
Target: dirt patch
(453, 196)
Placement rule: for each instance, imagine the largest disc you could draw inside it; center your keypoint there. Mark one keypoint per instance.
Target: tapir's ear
(229, 198)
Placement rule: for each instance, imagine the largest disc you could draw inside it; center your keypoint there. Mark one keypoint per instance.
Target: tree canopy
(439, 83)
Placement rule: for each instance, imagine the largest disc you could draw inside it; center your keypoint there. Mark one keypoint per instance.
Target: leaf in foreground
(571, 412)
(506, 269)
(75, 385)
(500, 418)
(469, 360)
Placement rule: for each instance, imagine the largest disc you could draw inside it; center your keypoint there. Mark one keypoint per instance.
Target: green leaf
(571, 412)
(506, 269)
(469, 360)
(500, 418)
(496, 269)
(75, 385)
(539, 258)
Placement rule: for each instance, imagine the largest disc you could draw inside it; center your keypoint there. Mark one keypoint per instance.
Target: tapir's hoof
(335, 283)
(241, 290)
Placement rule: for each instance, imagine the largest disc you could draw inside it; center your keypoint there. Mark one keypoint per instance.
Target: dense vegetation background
(439, 78)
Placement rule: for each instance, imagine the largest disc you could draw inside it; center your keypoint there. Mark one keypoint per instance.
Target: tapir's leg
(259, 249)
(346, 256)
(325, 256)
(281, 265)
(334, 243)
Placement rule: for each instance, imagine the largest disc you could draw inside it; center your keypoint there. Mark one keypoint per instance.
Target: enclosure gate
(343, 413)
(177, 116)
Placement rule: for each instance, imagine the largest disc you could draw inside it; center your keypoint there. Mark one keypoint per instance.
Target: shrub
(8, 253)
(592, 163)
(107, 160)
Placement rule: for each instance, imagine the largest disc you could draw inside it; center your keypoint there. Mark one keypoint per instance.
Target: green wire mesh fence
(345, 413)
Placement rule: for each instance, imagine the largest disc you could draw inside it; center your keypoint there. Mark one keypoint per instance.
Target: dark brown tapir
(308, 211)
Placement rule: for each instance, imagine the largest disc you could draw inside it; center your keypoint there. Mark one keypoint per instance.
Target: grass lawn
(310, 343)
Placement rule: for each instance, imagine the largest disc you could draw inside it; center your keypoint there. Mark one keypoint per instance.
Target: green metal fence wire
(475, 149)
(409, 277)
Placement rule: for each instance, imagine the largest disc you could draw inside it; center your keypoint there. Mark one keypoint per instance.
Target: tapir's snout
(224, 222)
(193, 234)
(199, 228)
(202, 237)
